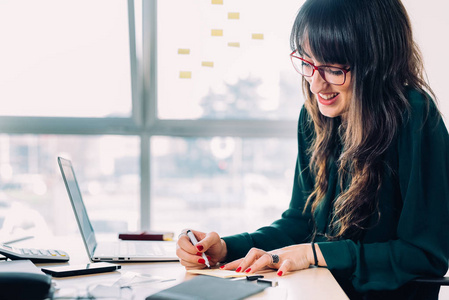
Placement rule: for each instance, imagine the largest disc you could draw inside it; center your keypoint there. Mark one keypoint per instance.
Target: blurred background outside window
(62, 66)
(175, 114)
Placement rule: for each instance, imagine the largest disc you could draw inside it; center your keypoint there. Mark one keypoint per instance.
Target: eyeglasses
(332, 75)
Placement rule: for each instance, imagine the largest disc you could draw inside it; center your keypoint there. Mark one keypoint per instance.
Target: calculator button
(44, 252)
(53, 253)
(62, 253)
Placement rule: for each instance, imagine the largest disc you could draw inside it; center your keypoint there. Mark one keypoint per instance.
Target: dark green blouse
(410, 240)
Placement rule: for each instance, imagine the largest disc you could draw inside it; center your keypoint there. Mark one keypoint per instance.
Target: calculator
(35, 255)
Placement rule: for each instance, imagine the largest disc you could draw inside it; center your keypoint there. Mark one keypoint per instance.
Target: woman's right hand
(209, 243)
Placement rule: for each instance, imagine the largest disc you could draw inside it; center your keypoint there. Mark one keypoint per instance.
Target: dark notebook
(22, 280)
(209, 288)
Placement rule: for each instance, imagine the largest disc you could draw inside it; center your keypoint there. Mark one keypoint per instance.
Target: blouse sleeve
(422, 244)
(294, 226)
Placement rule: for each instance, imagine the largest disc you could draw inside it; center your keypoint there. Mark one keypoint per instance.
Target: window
(168, 122)
(224, 61)
(32, 190)
(175, 113)
(59, 60)
(220, 183)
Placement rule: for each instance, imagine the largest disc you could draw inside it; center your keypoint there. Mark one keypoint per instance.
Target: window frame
(144, 122)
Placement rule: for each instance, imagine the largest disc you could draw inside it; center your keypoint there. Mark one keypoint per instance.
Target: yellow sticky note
(217, 1)
(207, 64)
(234, 44)
(183, 51)
(217, 32)
(257, 36)
(185, 74)
(234, 15)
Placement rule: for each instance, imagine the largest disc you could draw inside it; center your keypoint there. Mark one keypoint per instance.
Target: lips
(327, 99)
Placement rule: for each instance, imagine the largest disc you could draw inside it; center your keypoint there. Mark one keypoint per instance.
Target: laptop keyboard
(140, 250)
(137, 249)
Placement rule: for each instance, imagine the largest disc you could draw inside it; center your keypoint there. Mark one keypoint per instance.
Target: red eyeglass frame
(319, 68)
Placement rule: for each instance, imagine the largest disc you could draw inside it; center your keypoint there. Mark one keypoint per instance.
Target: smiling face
(333, 100)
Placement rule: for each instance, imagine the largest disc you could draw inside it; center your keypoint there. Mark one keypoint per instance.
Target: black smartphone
(73, 270)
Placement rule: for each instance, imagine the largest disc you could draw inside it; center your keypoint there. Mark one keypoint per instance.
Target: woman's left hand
(291, 258)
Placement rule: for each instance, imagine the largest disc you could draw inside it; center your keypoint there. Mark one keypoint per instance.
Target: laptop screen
(87, 231)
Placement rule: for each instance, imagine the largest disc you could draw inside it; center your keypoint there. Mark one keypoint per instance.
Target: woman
(371, 191)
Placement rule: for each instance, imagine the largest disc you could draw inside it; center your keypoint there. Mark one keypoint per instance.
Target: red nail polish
(199, 247)
(198, 253)
(222, 267)
(201, 261)
(248, 270)
(280, 273)
(238, 269)
(208, 257)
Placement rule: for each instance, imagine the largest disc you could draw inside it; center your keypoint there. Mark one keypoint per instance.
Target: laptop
(121, 251)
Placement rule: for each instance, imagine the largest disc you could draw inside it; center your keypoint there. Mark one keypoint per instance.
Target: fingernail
(280, 273)
(238, 269)
(208, 257)
(222, 267)
(248, 270)
(199, 247)
(198, 253)
(201, 261)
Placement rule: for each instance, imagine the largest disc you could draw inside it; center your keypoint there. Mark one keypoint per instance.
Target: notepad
(257, 36)
(183, 51)
(217, 273)
(207, 64)
(233, 15)
(217, 32)
(185, 74)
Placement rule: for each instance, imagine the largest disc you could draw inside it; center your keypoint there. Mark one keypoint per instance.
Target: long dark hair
(374, 38)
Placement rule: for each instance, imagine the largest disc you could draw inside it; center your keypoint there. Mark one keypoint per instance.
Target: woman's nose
(317, 83)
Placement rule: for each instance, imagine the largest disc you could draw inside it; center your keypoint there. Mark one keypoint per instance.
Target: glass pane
(226, 61)
(33, 198)
(65, 58)
(228, 185)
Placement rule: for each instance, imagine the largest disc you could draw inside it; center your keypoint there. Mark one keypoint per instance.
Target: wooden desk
(313, 283)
